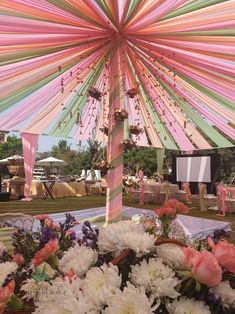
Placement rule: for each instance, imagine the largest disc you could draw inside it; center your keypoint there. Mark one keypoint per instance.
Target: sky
(45, 143)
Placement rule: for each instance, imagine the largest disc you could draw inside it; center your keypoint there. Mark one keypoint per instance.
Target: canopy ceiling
(177, 55)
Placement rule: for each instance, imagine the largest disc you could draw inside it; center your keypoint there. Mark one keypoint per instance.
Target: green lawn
(39, 206)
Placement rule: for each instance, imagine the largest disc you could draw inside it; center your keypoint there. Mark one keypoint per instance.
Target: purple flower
(47, 235)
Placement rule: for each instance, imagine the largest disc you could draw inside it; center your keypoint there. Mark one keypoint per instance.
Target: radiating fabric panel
(177, 55)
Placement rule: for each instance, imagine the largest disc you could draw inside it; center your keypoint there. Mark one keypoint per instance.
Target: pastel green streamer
(163, 134)
(70, 121)
(208, 130)
(192, 6)
(106, 10)
(131, 9)
(9, 101)
(68, 8)
(26, 55)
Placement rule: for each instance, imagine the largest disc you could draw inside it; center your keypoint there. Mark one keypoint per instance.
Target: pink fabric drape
(223, 194)
(30, 144)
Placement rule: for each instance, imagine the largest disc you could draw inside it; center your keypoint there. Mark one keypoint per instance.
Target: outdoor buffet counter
(60, 189)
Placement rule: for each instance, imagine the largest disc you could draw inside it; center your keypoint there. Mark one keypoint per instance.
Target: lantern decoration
(128, 144)
(135, 129)
(120, 114)
(105, 130)
(132, 92)
(94, 93)
(104, 165)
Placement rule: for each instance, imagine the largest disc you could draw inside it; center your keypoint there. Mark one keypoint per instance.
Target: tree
(60, 149)
(143, 157)
(13, 146)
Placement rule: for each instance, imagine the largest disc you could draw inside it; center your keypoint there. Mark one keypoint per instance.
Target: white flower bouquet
(117, 269)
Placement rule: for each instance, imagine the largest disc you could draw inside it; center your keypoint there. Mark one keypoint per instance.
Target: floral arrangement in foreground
(123, 268)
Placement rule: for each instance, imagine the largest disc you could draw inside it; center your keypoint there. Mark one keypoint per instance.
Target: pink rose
(41, 217)
(166, 211)
(204, 266)
(224, 253)
(18, 259)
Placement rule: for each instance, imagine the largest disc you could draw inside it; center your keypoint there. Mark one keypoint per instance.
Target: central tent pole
(116, 135)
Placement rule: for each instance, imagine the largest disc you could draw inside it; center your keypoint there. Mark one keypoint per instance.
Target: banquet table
(194, 228)
(157, 188)
(60, 189)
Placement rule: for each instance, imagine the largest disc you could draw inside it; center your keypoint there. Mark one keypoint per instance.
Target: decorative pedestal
(17, 187)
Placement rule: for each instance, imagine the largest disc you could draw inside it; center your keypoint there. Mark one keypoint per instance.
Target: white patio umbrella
(51, 162)
(5, 160)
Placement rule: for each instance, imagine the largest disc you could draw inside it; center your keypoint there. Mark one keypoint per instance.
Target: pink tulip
(5, 295)
(18, 259)
(41, 217)
(204, 266)
(49, 249)
(166, 211)
(224, 253)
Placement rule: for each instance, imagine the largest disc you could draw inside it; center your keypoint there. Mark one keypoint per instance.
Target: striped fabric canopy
(177, 69)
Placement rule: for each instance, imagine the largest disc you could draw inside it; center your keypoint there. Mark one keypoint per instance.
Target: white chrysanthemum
(172, 255)
(33, 289)
(79, 258)
(6, 269)
(63, 297)
(188, 306)
(157, 278)
(125, 235)
(101, 283)
(225, 293)
(2, 248)
(131, 301)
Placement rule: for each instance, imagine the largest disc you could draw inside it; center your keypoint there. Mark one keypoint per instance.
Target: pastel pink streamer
(30, 143)
(199, 107)
(179, 136)
(227, 92)
(189, 56)
(223, 193)
(42, 96)
(154, 15)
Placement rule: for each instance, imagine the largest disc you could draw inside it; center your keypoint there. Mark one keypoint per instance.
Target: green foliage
(13, 146)
(145, 158)
(227, 164)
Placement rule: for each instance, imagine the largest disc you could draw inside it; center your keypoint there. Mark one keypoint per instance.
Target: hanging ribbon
(186, 188)
(223, 194)
(202, 192)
